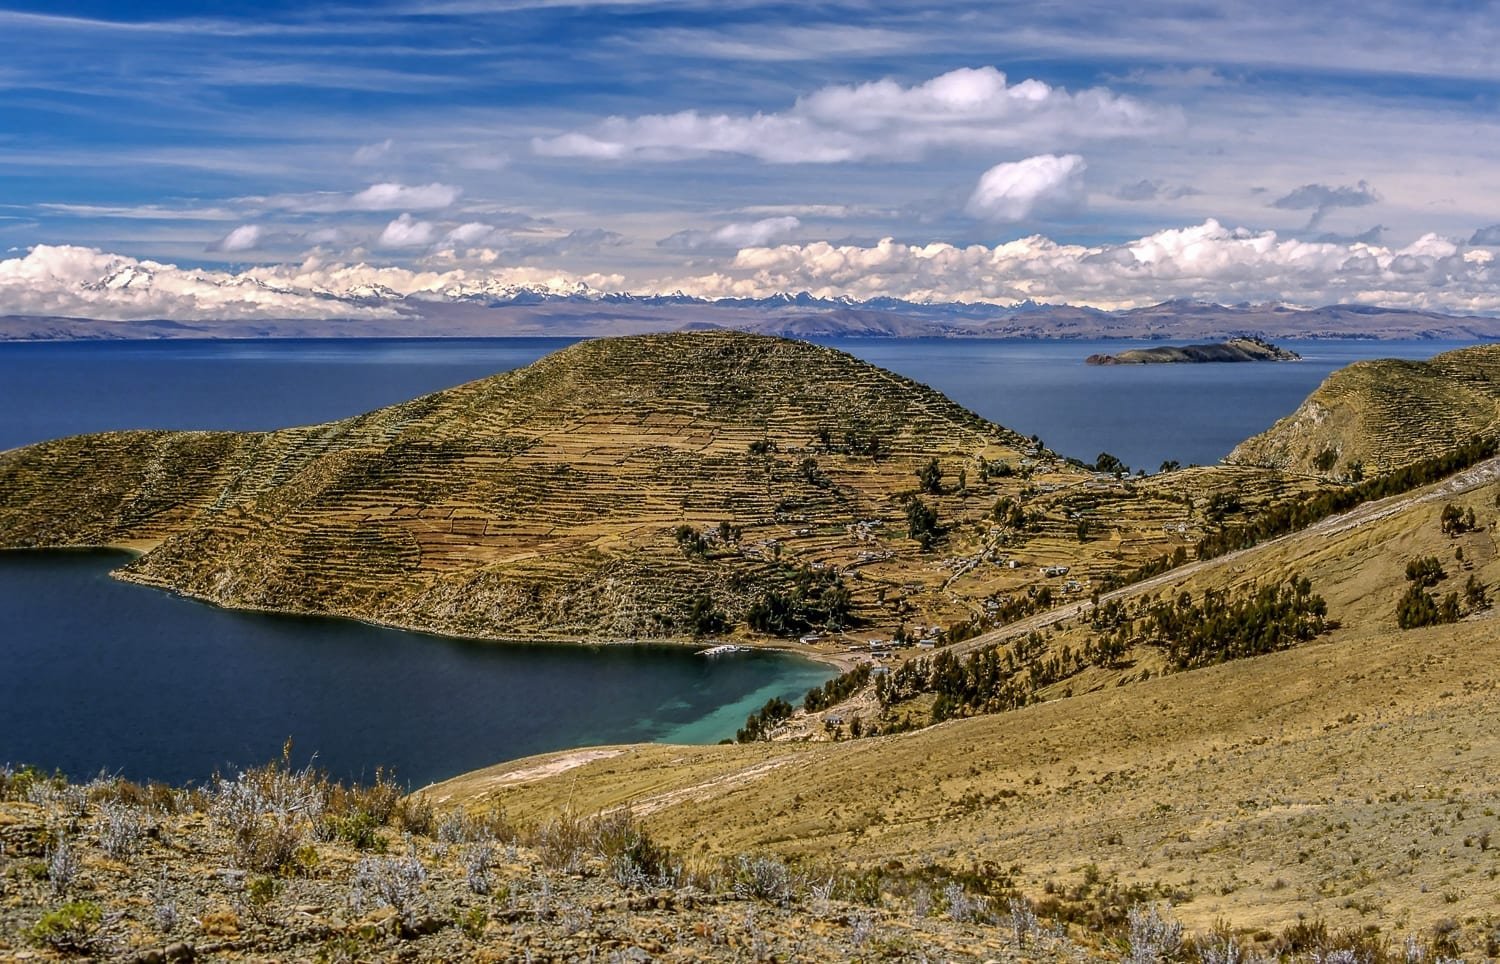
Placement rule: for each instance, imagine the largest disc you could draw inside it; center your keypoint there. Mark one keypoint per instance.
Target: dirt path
(1471, 478)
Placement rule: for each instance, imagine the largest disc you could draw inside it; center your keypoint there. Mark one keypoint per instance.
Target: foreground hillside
(1375, 416)
(650, 487)
(1351, 779)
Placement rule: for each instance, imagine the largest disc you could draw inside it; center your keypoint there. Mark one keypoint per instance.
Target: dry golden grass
(542, 503)
(1384, 414)
(1355, 779)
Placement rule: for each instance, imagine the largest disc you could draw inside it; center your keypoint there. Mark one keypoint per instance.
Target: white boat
(723, 649)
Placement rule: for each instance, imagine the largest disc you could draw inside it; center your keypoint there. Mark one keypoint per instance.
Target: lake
(95, 673)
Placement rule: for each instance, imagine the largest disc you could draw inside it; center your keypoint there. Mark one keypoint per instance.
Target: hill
(1233, 350)
(647, 487)
(1346, 780)
(1375, 416)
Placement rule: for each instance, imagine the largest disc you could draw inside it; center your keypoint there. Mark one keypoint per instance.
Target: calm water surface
(95, 673)
(98, 673)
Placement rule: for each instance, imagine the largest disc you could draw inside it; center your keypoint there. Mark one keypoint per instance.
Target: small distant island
(1248, 349)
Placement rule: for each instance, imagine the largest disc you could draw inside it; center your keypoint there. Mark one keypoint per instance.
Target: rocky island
(1248, 349)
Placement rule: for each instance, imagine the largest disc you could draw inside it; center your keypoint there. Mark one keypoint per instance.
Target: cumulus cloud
(750, 234)
(965, 108)
(1206, 261)
(1012, 191)
(407, 232)
(243, 238)
(1322, 198)
(88, 283)
(400, 197)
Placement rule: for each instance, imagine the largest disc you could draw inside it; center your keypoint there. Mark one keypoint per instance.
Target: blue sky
(1086, 152)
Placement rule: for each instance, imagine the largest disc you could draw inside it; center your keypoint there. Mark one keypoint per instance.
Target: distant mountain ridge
(493, 309)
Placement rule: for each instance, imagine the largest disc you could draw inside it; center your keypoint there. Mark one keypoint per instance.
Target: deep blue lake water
(95, 673)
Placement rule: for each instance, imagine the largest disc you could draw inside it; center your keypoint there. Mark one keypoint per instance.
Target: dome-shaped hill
(636, 487)
(1380, 415)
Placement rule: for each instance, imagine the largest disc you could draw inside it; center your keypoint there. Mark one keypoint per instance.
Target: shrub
(394, 882)
(1425, 571)
(121, 829)
(763, 878)
(70, 928)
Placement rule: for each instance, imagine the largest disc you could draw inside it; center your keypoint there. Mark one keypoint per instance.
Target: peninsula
(663, 487)
(1247, 349)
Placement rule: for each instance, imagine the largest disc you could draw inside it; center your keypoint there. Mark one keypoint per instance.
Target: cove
(101, 674)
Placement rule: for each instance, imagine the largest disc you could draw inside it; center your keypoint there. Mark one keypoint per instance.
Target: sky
(202, 159)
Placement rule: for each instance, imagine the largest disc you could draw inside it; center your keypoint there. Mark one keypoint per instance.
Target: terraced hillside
(1374, 416)
(644, 487)
(1349, 780)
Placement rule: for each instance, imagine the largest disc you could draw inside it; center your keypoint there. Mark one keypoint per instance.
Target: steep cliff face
(1375, 416)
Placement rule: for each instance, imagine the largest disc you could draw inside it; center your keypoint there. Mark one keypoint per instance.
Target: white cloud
(399, 197)
(965, 108)
(385, 196)
(407, 232)
(1207, 261)
(749, 234)
(1012, 191)
(243, 238)
(370, 153)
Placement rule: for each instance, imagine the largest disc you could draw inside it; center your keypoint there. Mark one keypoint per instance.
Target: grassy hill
(1351, 779)
(1374, 416)
(644, 487)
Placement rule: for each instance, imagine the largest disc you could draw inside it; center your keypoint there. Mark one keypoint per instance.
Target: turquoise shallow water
(95, 673)
(101, 674)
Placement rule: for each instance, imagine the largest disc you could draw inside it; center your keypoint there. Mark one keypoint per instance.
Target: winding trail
(1467, 480)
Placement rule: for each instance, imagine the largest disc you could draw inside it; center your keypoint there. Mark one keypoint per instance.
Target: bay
(95, 673)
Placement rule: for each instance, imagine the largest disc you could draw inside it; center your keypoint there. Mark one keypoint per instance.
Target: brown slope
(1384, 414)
(541, 503)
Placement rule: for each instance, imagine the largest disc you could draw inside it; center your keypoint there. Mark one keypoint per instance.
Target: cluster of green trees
(922, 523)
(810, 599)
(1456, 521)
(838, 689)
(1211, 628)
(1417, 607)
(767, 718)
(988, 681)
(1301, 513)
(1222, 626)
(853, 442)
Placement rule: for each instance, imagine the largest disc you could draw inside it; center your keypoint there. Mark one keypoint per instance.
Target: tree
(922, 522)
(1425, 571)
(930, 477)
(1417, 608)
(703, 618)
(1170, 465)
(1456, 521)
(1108, 463)
(1083, 530)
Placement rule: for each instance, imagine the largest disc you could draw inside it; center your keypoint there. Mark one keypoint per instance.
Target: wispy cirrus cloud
(740, 234)
(968, 108)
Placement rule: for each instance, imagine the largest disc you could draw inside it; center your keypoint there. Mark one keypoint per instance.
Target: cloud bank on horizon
(303, 162)
(1237, 264)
